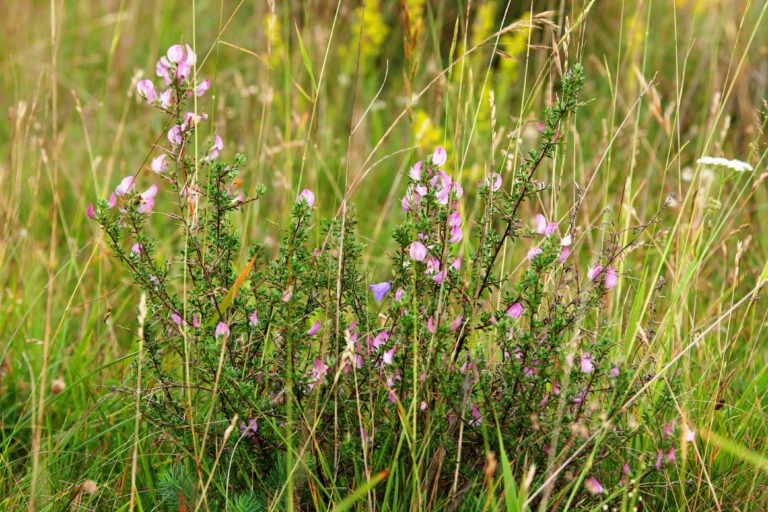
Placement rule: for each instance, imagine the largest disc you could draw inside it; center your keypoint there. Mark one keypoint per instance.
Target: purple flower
(586, 363)
(147, 90)
(417, 251)
(515, 310)
(439, 156)
(593, 486)
(314, 329)
(379, 290)
(308, 197)
(159, 164)
(611, 278)
(222, 329)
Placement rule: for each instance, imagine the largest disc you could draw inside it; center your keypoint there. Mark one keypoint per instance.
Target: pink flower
(477, 418)
(593, 272)
(175, 54)
(319, 371)
(534, 252)
(162, 69)
(314, 329)
(417, 251)
(147, 200)
(611, 278)
(564, 253)
(379, 290)
(457, 322)
(380, 340)
(218, 145)
(415, 172)
(669, 428)
(515, 310)
(136, 249)
(202, 87)
(544, 228)
(615, 372)
(112, 201)
(159, 165)
(431, 325)
(399, 294)
(456, 265)
(689, 435)
(456, 235)
(166, 98)
(670, 457)
(389, 356)
(493, 181)
(659, 459)
(191, 120)
(174, 135)
(90, 212)
(439, 277)
(146, 90)
(195, 321)
(125, 186)
(176, 319)
(439, 157)
(586, 363)
(566, 240)
(307, 197)
(593, 486)
(222, 329)
(253, 318)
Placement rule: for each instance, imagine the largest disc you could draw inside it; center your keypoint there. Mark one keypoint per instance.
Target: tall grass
(341, 98)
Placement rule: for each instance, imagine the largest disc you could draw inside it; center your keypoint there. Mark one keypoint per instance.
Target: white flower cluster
(716, 161)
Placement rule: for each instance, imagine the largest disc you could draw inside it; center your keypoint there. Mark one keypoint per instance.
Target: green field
(342, 99)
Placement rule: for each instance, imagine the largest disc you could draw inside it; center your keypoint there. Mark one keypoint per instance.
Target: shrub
(296, 377)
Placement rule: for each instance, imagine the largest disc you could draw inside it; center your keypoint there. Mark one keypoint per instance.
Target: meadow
(478, 255)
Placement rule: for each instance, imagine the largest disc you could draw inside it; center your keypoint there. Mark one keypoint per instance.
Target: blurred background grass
(345, 97)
